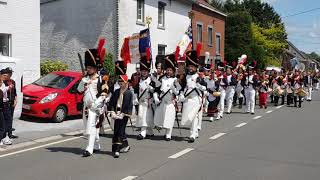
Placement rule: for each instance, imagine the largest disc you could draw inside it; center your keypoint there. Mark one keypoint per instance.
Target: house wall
(176, 24)
(21, 19)
(208, 18)
(72, 26)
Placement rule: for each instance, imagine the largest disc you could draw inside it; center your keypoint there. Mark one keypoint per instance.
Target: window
(161, 49)
(5, 44)
(199, 32)
(161, 14)
(210, 30)
(218, 43)
(55, 81)
(140, 11)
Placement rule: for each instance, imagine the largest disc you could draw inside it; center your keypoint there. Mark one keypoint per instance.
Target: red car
(53, 96)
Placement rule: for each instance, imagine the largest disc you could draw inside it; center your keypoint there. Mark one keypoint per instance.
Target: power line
(302, 12)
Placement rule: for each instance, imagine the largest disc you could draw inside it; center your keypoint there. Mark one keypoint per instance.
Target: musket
(176, 106)
(106, 115)
(81, 64)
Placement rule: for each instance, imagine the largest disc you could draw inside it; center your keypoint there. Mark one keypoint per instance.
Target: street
(278, 143)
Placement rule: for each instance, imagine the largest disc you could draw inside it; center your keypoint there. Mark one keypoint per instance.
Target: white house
(169, 22)
(71, 26)
(20, 34)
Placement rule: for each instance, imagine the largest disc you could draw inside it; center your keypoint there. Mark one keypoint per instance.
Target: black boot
(276, 100)
(240, 103)
(282, 100)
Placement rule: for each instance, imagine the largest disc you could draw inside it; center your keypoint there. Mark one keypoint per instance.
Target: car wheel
(60, 114)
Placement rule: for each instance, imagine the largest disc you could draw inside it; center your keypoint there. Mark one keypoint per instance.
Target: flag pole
(148, 21)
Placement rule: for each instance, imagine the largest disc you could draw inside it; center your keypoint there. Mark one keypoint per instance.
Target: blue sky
(303, 30)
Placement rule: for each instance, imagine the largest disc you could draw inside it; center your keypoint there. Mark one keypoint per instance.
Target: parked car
(53, 96)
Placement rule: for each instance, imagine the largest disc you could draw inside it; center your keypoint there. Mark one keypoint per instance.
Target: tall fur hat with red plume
(192, 58)
(170, 61)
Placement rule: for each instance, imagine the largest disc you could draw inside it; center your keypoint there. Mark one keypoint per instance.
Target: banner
(145, 43)
(134, 48)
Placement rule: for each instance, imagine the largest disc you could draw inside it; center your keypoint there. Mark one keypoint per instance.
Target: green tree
(109, 64)
(238, 34)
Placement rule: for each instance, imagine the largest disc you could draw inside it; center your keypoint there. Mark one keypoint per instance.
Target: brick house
(208, 25)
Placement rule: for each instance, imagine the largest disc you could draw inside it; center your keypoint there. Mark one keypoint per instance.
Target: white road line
(217, 136)
(44, 145)
(129, 178)
(240, 125)
(269, 111)
(180, 153)
(257, 117)
(20, 145)
(279, 107)
(46, 139)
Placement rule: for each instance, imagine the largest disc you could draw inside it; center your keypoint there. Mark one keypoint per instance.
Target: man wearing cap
(12, 96)
(193, 93)
(95, 96)
(250, 82)
(144, 92)
(121, 106)
(165, 113)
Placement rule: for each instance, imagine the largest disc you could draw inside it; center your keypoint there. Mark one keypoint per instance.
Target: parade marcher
(249, 82)
(95, 96)
(239, 88)
(278, 90)
(230, 90)
(308, 84)
(165, 113)
(222, 85)
(202, 81)
(12, 96)
(144, 91)
(121, 107)
(263, 90)
(193, 93)
(298, 89)
(213, 96)
(289, 88)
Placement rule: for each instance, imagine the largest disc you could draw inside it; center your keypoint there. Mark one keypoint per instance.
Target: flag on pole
(186, 43)
(134, 48)
(145, 44)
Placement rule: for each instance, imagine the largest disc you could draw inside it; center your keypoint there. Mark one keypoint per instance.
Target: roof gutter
(211, 9)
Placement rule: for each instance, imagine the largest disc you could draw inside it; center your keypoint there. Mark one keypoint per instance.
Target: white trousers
(145, 131)
(317, 86)
(168, 132)
(199, 117)
(250, 94)
(93, 139)
(221, 103)
(229, 97)
(309, 96)
(194, 128)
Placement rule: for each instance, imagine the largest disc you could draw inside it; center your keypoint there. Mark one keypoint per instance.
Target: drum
(301, 92)
(216, 94)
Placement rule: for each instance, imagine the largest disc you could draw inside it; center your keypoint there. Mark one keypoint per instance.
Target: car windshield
(54, 81)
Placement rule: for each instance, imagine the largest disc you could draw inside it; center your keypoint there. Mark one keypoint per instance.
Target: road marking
(129, 178)
(257, 117)
(20, 145)
(74, 133)
(240, 125)
(217, 136)
(44, 145)
(279, 107)
(180, 153)
(46, 139)
(269, 111)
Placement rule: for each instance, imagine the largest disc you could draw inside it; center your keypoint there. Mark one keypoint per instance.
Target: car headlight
(49, 98)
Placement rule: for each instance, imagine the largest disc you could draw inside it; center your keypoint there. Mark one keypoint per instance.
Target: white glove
(206, 93)
(181, 98)
(156, 98)
(120, 116)
(200, 87)
(113, 115)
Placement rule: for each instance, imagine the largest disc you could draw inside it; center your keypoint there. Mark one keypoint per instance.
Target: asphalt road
(274, 144)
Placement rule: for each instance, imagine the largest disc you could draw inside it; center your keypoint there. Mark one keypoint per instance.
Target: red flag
(177, 53)
(125, 51)
(199, 46)
(148, 53)
(101, 44)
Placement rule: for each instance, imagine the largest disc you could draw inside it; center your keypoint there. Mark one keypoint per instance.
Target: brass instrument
(216, 94)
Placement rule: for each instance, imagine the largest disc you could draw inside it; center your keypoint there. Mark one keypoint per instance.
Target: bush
(50, 66)
(109, 64)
